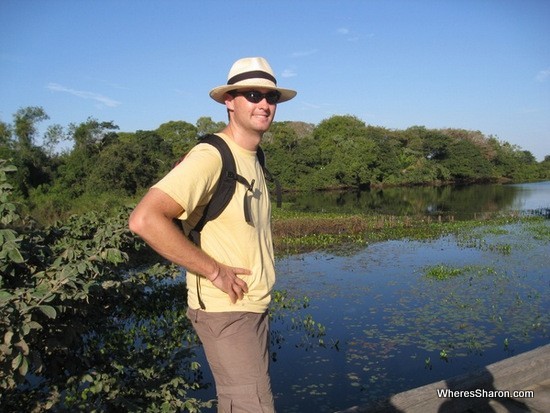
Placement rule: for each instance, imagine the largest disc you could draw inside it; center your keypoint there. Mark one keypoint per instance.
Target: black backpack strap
(225, 189)
(220, 199)
(269, 176)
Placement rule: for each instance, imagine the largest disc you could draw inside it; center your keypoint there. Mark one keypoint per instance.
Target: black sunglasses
(253, 96)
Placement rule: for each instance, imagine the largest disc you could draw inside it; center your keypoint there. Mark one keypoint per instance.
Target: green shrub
(79, 330)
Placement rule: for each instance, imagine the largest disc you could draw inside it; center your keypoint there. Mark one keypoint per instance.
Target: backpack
(227, 185)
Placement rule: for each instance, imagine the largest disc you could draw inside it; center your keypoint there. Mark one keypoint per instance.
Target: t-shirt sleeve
(193, 181)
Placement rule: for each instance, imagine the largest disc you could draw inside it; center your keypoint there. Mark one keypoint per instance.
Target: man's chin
(263, 126)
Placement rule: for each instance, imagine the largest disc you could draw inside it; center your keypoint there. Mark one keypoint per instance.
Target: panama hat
(247, 73)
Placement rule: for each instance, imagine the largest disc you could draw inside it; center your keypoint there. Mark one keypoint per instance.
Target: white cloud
(543, 75)
(104, 100)
(343, 31)
(308, 105)
(289, 73)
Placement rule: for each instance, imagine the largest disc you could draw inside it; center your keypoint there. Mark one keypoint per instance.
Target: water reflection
(531, 196)
(460, 202)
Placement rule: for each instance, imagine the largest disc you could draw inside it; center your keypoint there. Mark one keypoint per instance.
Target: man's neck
(245, 139)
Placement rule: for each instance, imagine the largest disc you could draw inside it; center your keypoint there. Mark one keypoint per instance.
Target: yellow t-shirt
(229, 239)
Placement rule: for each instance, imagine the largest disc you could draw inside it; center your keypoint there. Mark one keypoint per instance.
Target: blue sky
(472, 64)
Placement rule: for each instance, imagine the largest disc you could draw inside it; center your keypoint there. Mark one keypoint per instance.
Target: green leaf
(16, 362)
(9, 168)
(7, 235)
(113, 255)
(13, 252)
(24, 367)
(42, 289)
(8, 336)
(87, 379)
(23, 346)
(5, 295)
(48, 310)
(81, 267)
(33, 325)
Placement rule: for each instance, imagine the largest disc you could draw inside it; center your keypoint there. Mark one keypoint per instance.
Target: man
(231, 275)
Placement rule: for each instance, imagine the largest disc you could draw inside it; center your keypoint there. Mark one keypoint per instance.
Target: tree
(54, 136)
(6, 143)
(389, 160)
(466, 163)
(355, 163)
(412, 138)
(332, 131)
(5, 134)
(181, 136)
(89, 139)
(435, 145)
(25, 120)
(347, 153)
(482, 143)
(281, 155)
(205, 125)
(90, 135)
(32, 164)
(526, 157)
(127, 167)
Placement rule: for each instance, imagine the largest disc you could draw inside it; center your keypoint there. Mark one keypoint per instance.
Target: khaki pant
(237, 348)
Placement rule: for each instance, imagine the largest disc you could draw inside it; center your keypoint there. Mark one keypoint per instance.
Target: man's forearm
(167, 239)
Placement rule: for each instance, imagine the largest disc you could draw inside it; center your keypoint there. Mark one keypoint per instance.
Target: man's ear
(229, 102)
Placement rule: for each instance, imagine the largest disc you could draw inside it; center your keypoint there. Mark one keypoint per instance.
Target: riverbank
(295, 232)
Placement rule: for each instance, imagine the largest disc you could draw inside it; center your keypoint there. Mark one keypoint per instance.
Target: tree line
(104, 166)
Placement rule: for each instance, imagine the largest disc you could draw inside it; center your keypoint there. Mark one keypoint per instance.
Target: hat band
(255, 74)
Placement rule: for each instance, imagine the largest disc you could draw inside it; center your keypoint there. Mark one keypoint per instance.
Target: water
(461, 202)
(531, 196)
(389, 327)
(392, 322)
